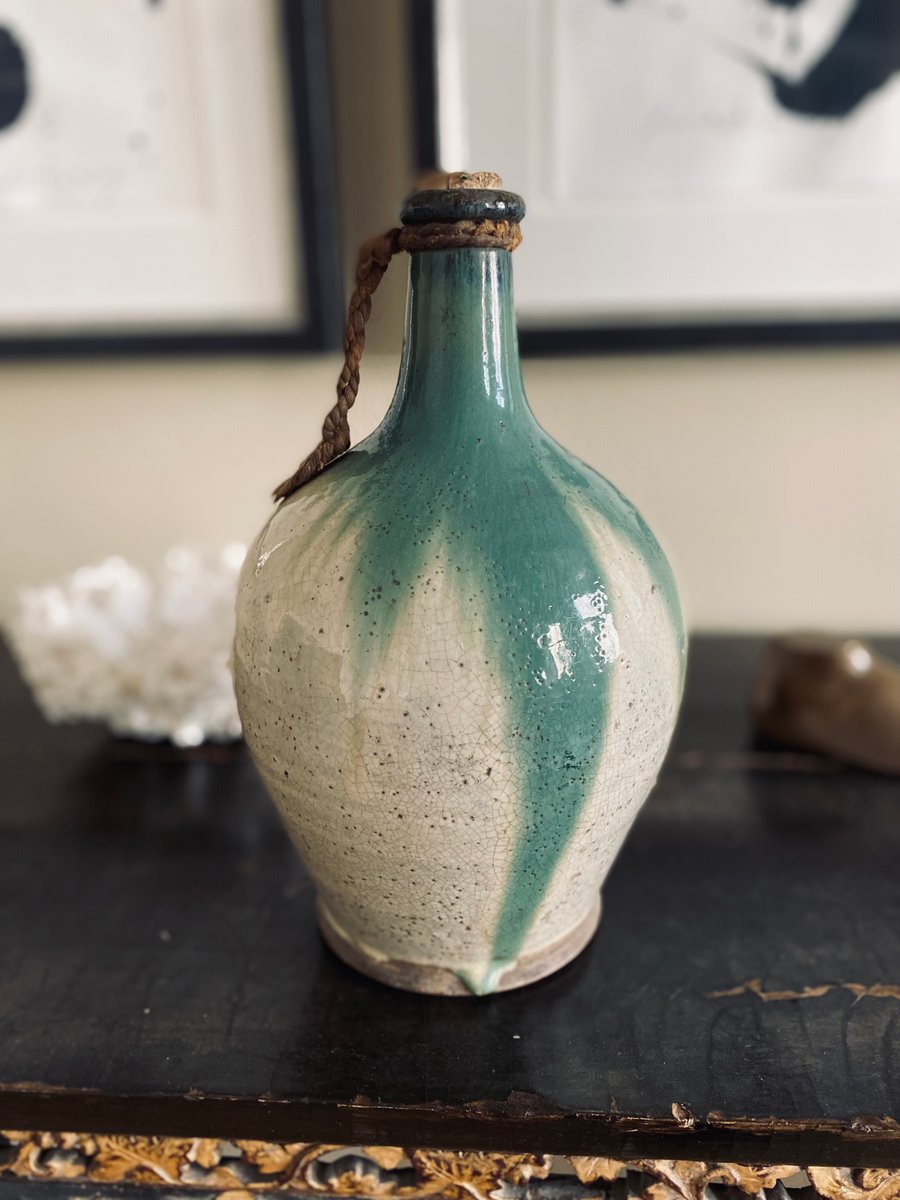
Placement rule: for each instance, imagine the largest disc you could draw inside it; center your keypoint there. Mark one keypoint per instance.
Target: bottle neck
(460, 367)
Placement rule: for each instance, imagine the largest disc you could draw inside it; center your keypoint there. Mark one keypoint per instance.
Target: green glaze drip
(460, 473)
(577, 477)
(485, 983)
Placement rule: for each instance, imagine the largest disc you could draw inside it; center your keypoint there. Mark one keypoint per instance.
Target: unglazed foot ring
(440, 981)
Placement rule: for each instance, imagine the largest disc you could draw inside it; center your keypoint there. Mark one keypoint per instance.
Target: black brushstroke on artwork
(864, 56)
(13, 79)
(862, 59)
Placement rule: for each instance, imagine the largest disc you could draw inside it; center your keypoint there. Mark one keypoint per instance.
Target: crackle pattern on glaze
(459, 657)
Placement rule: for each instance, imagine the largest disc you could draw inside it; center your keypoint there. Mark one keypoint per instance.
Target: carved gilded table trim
(236, 1170)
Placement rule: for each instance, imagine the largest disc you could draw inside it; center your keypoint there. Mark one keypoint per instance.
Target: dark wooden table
(169, 1016)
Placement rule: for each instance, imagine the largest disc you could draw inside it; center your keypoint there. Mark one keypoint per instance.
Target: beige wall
(771, 478)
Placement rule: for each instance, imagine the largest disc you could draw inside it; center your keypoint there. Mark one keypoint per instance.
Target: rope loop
(374, 259)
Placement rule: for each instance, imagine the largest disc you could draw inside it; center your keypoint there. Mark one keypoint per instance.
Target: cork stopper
(460, 196)
(436, 181)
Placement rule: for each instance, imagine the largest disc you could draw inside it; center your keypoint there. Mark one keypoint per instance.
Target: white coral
(146, 653)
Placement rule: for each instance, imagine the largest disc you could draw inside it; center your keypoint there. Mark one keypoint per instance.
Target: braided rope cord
(374, 259)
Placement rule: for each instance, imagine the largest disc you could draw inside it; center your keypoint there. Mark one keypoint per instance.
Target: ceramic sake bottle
(459, 657)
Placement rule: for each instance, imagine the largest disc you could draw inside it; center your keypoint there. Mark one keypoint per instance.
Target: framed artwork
(697, 172)
(166, 177)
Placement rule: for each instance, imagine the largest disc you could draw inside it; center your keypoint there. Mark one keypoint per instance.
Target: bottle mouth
(445, 205)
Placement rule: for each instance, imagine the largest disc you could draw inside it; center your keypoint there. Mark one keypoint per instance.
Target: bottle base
(441, 981)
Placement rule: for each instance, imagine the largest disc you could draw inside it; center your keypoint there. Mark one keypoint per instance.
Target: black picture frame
(304, 41)
(616, 338)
